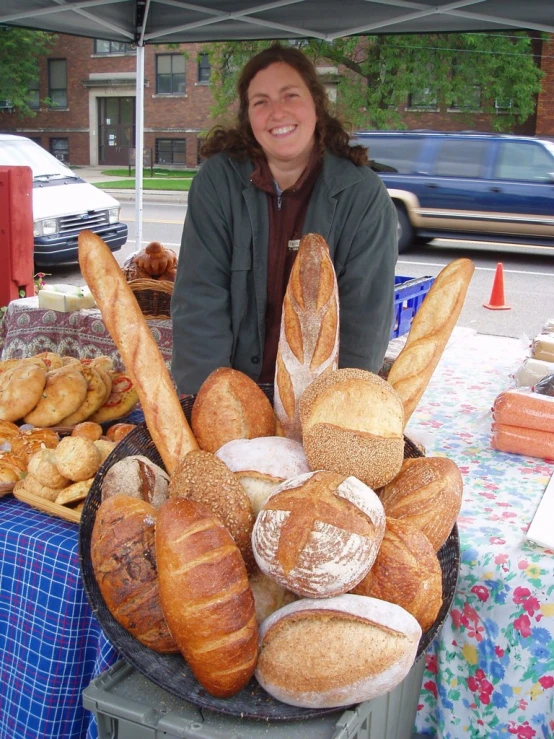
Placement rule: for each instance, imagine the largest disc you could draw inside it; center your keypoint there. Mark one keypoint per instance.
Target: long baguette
(309, 337)
(143, 361)
(429, 333)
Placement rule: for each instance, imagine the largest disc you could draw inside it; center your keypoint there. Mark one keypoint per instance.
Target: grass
(181, 185)
(177, 174)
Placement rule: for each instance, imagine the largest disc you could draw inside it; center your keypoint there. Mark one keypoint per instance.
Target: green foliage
(377, 74)
(20, 51)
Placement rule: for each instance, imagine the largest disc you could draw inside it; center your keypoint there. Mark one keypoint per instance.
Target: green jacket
(219, 298)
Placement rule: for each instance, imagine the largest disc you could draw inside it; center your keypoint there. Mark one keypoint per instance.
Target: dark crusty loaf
(309, 337)
(123, 559)
(138, 477)
(205, 596)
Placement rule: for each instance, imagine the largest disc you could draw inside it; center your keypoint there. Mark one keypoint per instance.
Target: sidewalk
(94, 174)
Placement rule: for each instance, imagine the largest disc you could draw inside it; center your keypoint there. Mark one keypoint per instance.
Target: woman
(284, 170)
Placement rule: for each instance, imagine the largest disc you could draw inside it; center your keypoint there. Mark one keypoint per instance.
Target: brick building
(93, 83)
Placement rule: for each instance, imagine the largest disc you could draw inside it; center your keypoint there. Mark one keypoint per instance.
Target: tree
(20, 51)
(378, 74)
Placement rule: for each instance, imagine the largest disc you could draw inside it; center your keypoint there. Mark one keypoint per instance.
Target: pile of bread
(48, 390)
(61, 470)
(292, 542)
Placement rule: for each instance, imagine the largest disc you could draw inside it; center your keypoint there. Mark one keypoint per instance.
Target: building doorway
(116, 130)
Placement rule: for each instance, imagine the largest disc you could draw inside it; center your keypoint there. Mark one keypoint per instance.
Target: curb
(158, 196)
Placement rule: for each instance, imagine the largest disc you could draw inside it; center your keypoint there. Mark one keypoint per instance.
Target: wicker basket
(169, 671)
(153, 297)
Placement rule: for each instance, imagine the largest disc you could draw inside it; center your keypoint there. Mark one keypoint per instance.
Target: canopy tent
(175, 21)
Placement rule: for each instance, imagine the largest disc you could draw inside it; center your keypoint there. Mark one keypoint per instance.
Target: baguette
(205, 596)
(129, 330)
(309, 338)
(429, 333)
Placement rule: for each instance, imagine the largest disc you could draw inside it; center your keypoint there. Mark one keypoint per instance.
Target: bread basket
(171, 672)
(153, 297)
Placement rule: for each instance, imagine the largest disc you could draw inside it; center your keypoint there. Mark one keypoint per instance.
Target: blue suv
(474, 186)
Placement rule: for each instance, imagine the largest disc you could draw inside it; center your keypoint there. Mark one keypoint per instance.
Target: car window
(524, 160)
(459, 158)
(399, 152)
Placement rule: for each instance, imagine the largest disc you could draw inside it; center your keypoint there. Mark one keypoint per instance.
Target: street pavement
(94, 175)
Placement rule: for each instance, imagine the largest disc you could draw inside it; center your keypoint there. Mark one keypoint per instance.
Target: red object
(16, 233)
(496, 301)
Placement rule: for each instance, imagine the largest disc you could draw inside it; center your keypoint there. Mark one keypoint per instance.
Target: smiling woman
(284, 170)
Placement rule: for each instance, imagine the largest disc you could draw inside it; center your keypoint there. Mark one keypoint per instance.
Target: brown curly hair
(329, 131)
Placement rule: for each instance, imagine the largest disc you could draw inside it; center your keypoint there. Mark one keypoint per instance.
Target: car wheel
(405, 230)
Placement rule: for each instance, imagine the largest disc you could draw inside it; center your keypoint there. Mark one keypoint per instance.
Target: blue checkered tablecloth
(51, 645)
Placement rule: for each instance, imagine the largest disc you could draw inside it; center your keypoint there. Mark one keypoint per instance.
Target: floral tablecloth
(27, 330)
(490, 672)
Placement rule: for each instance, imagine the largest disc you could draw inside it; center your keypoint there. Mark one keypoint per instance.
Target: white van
(63, 204)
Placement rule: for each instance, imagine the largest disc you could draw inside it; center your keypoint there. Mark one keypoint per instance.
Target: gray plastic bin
(129, 706)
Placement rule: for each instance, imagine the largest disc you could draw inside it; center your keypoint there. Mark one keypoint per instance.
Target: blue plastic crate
(409, 293)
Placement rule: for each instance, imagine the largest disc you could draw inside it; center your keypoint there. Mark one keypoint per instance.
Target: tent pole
(139, 145)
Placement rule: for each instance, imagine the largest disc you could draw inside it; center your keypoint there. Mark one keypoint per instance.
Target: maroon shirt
(286, 219)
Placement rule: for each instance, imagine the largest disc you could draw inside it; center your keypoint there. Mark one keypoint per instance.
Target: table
(489, 673)
(28, 329)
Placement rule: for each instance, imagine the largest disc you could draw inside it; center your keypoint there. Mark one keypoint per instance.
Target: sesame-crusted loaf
(352, 423)
(202, 477)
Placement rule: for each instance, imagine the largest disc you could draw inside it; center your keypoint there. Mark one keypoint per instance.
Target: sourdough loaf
(123, 559)
(262, 464)
(319, 534)
(428, 493)
(309, 337)
(336, 652)
(205, 596)
(269, 596)
(138, 477)
(229, 405)
(406, 572)
(352, 423)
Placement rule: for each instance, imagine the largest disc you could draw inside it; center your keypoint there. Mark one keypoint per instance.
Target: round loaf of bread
(428, 493)
(406, 572)
(202, 477)
(336, 652)
(262, 464)
(319, 533)
(138, 477)
(352, 423)
(230, 405)
(123, 556)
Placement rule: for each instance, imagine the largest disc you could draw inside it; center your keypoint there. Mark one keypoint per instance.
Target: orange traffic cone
(496, 301)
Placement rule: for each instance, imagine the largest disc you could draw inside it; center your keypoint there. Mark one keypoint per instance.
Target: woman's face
(282, 114)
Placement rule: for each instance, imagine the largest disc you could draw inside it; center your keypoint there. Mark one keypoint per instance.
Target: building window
(57, 82)
(33, 96)
(204, 68)
(422, 100)
(502, 106)
(113, 47)
(473, 102)
(170, 74)
(171, 151)
(60, 149)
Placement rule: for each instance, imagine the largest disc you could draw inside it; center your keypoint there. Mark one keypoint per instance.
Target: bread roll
(406, 572)
(137, 477)
(43, 466)
(202, 477)
(309, 337)
(205, 596)
(123, 556)
(429, 333)
(352, 423)
(141, 356)
(77, 458)
(336, 652)
(230, 405)
(88, 429)
(428, 493)
(262, 464)
(119, 431)
(319, 533)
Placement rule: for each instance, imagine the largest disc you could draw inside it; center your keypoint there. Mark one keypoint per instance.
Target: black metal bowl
(170, 671)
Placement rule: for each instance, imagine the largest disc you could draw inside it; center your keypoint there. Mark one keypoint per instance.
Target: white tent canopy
(175, 21)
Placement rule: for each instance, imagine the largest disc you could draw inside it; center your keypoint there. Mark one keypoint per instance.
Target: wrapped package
(531, 371)
(542, 347)
(520, 440)
(524, 408)
(545, 386)
(548, 327)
